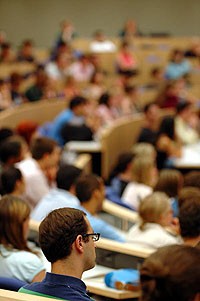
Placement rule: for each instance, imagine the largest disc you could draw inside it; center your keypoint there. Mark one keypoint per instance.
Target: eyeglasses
(95, 236)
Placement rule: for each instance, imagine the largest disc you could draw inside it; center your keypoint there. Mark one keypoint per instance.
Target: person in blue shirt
(178, 66)
(62, 195)
(73, 115)
(90, 191)
(68, 242)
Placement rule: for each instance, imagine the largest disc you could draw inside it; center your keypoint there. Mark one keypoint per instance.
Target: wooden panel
(40, 111)
(117, 139)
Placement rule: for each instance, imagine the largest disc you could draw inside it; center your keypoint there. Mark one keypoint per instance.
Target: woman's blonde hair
(152, 207)
(142, 167)
(13, 214)
(144, 149)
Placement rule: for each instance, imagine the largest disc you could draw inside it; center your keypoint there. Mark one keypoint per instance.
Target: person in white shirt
(144, 175)
(156, 214)
(81, 70)
(186, 124)
(101, 44)
(39, 170)
(58, 69)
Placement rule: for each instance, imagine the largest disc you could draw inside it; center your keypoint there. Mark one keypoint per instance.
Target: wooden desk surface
(83, 146)
(98, 287)
(94, 280)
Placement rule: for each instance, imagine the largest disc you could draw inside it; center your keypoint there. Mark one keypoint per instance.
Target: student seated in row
(68, 242)
(17, 259)
(171, 273)
(156, 214)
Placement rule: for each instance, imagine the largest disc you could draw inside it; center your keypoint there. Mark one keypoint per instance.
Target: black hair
(66, 176)
(77, 101)
(9, 177)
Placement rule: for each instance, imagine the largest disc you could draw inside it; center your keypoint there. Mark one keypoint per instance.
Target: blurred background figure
(178, 66)
(171, 273)
(130, 30)
(101, 44)
(26, 52)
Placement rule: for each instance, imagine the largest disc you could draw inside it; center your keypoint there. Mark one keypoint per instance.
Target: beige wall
(39, 19)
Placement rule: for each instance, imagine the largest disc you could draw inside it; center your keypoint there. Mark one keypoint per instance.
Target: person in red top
(126, 63)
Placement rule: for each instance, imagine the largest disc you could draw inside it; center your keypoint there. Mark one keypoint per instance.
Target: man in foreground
(68, 242)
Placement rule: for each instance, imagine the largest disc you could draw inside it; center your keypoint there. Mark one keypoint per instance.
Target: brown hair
(58, 231)
(40, 146)
(187, 193)
(86, 185)
(189, 217)
(171, 273)
(192, 179)
(13, 213)
(169, 181)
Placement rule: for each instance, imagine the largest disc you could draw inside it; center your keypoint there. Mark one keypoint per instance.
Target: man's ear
(95, 194)
(79, 244)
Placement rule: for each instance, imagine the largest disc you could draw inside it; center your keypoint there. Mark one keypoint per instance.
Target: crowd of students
(36, 183)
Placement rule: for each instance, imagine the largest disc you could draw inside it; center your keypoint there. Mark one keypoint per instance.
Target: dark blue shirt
(59, 286)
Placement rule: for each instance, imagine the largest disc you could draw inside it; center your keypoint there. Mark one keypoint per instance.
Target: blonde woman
(144, 175)
(156, 214)
(144, 149)
(17, 259)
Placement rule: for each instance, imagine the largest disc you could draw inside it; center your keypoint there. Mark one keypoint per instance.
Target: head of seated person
(68, 242)
(144, 149)
(155, 208)
(144, 171)
(17, 258)
(186, 193)
(67, 176)
(192, 179)
(171, 273)
(189, 219)
(13, 150)
(12, 182)
(91, 192)
(169, 181)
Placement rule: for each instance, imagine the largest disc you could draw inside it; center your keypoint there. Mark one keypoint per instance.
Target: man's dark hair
(181, 106)
(189, 218)
(86, 185)
(59, 230)
(77, 101)
(66, 176)
(40, 146)
(9, 177)
(192, 179)
(5, 133)
(10, 150)
(104, 99)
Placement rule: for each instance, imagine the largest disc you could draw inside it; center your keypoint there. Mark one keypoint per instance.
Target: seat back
(11, 284)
